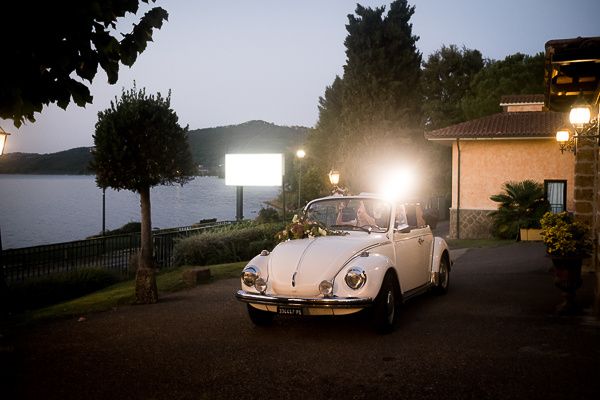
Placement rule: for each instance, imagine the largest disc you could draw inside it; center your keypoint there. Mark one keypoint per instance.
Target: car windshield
(351, 213)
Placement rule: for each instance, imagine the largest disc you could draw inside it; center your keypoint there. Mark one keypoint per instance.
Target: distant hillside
(71, 162)
(208, 147)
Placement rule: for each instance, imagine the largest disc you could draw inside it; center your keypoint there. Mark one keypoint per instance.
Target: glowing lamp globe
(563, 135)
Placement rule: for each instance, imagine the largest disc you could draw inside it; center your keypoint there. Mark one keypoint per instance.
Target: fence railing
(109, 252)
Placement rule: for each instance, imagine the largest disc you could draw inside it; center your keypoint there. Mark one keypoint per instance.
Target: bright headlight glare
(261, 285)
(326, 288)
(250, 275)
(356, 278)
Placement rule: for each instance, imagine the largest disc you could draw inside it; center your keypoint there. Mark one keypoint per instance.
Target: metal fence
(109, 252)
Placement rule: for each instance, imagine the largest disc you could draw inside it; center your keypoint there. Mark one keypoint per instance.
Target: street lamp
(300, 154)
(3, 137)
(334, 179)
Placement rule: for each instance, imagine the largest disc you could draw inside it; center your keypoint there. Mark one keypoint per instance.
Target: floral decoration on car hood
(302, 227)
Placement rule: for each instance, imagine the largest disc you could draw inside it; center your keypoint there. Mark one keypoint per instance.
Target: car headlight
(261, 285)
(356, 277)
(326, 288)
(250, 275)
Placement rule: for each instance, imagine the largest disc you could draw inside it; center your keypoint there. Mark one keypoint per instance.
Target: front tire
(443, 281)
(260, 317)
(386, 306)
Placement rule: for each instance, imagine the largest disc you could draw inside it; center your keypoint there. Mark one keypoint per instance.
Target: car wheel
(386, 306)
(260, 317)
(443, 277)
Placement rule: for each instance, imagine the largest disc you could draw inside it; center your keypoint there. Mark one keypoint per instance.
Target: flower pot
(567, 278)
(531, 234)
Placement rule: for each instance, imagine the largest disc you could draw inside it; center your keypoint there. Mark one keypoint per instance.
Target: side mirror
(403, 229)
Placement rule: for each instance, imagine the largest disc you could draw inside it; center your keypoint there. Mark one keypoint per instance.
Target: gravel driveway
(493, 336)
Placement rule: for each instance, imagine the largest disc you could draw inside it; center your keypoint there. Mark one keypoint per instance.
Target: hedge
(232, 244)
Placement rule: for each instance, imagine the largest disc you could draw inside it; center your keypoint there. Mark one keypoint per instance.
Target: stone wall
(474, 224)
(586, 185)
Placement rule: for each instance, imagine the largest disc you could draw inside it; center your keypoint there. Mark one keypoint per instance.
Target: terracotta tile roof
(533, 124)
(522, 99)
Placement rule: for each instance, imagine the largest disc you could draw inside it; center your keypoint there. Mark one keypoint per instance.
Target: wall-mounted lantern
(582, 126)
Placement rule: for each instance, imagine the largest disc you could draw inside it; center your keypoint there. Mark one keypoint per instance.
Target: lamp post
(300, 154)
(3, 137)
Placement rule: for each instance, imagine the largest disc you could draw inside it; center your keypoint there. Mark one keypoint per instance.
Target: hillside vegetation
(208, 147)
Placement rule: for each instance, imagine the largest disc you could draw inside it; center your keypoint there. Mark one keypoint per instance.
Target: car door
(424, 242)
(405, 251)
(413, 244)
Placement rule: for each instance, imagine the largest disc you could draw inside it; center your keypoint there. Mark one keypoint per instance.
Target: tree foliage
(48, 42)
(447, 74)
(139, 144)
(516, 74)
(374, 109)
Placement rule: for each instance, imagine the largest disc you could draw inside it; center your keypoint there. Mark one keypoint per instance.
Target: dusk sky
(232, 61)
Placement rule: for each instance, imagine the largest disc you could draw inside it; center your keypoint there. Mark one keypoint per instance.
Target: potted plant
(521, 205)
(567, 244)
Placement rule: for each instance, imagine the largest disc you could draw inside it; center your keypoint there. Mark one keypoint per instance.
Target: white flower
(295, 219)
(322, 232)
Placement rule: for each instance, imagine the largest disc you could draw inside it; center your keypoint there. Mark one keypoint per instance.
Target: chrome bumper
(314, 302)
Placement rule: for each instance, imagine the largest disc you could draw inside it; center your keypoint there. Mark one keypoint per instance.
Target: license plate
(289, 310)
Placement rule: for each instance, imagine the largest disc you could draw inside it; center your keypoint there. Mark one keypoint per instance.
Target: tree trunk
(145, 278)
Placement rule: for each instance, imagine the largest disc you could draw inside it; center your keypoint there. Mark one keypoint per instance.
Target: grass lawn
(123, 293)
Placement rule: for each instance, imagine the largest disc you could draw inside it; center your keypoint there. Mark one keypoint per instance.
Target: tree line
(373, 117)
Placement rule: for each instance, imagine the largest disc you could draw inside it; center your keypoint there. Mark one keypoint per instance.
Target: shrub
(238, 242)
(522, 205)
(58, 288)
(130, 227)
(565, 237)
(267, 215)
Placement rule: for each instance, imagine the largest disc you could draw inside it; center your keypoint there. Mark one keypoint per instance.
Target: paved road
(493, 336)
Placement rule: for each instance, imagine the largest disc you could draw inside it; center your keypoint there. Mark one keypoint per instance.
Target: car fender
(261, 263)
(439, 248)
(375, 266)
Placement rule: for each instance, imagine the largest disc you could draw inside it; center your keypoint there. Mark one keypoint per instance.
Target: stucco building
(517, 144)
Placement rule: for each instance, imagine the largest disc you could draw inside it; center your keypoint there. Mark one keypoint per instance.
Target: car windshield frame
(351, 213)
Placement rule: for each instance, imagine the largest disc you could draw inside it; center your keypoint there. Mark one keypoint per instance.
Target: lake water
(42, 209)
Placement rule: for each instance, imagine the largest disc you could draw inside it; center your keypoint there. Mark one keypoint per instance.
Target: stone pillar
(597, 233)
(587, 202)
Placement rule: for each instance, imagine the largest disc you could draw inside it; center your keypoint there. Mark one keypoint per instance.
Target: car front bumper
(305, 302)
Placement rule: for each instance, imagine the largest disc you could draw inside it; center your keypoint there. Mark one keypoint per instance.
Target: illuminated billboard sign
(253, 169)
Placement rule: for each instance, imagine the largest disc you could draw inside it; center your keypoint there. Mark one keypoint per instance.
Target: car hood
(296, 267)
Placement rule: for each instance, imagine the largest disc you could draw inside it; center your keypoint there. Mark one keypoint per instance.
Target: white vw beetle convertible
(371, 253)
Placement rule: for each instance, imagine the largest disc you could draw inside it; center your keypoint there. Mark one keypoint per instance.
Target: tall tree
(375, 107)
(139, 144)
(48, 42)
(322, 141)
(516, 74)
(447, 74)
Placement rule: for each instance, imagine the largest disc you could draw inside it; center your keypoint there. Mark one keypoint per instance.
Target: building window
(556, 193)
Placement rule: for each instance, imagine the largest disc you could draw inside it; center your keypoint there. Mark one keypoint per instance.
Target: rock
(193, 276)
